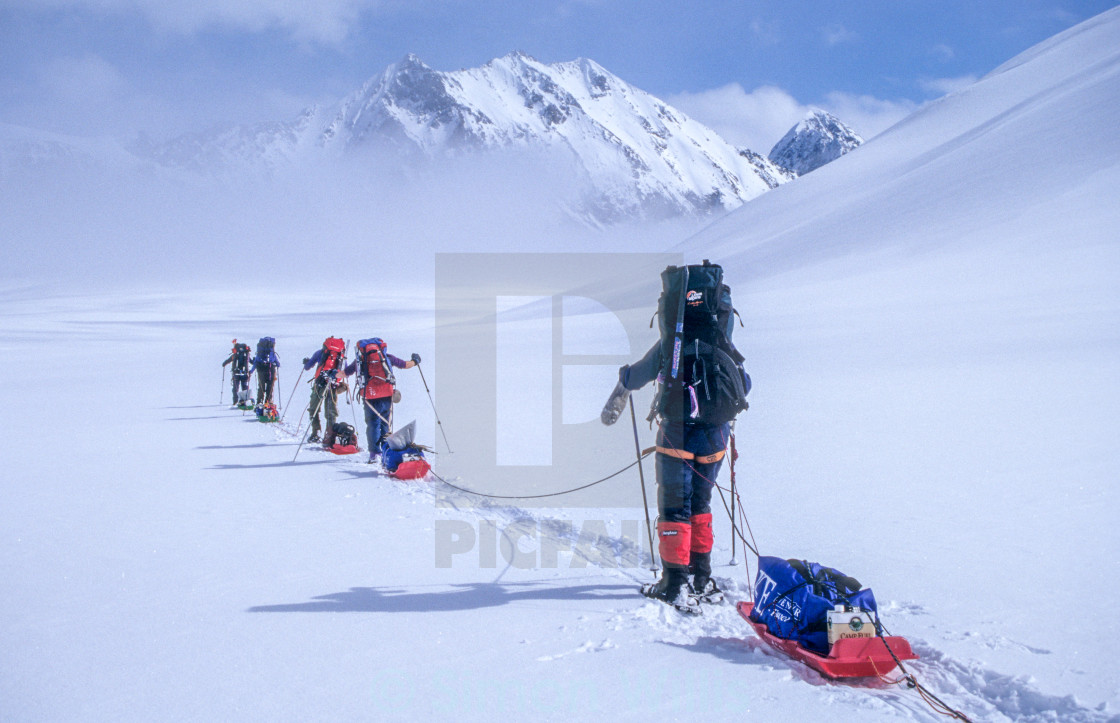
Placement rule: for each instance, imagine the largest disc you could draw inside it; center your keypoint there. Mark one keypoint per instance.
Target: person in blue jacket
(266, 364)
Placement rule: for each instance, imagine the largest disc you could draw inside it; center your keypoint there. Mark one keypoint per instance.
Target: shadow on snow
(468, 596)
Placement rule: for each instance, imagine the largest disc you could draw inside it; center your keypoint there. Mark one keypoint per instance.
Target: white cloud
(944, 86)
(944, 53)
(837, 34)
(766, 33)
(322, 21)
(867, 115)
(82, 80)
(757, 120)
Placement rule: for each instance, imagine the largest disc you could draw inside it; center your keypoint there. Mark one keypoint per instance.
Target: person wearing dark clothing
(266, 364)
(240, 370)
(688, 459)
(375, 367)
(689, 451)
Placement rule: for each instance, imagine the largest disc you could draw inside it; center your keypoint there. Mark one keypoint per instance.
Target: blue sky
(748, 68)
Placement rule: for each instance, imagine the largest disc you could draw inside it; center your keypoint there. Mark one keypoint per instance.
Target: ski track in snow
(978, 692)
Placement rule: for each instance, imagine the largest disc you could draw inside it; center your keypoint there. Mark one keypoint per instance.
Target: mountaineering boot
(612, 410)
(672, 588)
(374, 458)
(314, 437)
(703, 586)
(674, 541)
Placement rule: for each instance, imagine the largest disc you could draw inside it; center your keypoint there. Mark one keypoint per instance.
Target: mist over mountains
(615, 153)
(634, 156)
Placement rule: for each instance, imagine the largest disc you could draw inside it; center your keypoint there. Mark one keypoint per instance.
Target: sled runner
(847, 658)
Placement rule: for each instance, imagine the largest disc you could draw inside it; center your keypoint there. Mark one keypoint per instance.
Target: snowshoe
(672, 588)
(702, 585)
(705, 590)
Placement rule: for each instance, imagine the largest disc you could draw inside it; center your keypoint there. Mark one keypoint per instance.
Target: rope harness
(612, 475)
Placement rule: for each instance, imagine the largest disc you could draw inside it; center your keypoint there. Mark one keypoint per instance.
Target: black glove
(415, 357)
(612, 410)
(306, 359)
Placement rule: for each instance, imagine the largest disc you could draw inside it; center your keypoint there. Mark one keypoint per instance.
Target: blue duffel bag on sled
(793, 599)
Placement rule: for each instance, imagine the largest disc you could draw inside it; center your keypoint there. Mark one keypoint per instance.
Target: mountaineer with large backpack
(702, 386)
(374, 366)
(326, 383)
(241, 369)
(266, 364)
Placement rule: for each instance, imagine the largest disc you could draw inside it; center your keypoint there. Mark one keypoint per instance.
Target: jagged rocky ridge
(818, 139)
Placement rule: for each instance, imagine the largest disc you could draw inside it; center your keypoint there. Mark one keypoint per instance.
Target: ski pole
(383, 419)
(434, 410)
(350, 398)
(292, 395)
(314, 412)
(734, 528)
(222, 394)
(301, 442)
(642, 477)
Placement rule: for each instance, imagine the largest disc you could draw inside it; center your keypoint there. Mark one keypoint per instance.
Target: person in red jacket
(326, 383)
(375, 368)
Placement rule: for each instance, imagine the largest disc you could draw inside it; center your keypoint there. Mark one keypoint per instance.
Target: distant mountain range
(635, 156)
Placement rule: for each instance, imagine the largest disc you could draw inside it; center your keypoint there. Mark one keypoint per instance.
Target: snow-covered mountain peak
(624, 154)
(638, 155)
(819, 138)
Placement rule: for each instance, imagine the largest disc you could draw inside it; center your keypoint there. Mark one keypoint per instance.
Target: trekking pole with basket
(292, 395)
(642, 477)
(433, 403)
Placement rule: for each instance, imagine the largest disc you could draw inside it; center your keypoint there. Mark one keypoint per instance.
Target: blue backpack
(793, 597)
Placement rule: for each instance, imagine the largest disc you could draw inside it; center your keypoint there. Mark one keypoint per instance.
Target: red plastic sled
(343, 449)
(849, 657)
(412, 469)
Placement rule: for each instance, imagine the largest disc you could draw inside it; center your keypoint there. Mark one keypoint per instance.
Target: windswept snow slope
(944, 345)
(931, 325)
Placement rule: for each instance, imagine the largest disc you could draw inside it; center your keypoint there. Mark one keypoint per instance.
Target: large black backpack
(265, 345)
(702, 377)
(240, 357)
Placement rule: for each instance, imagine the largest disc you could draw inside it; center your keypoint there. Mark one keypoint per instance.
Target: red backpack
(333, 349)
(376, 370)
